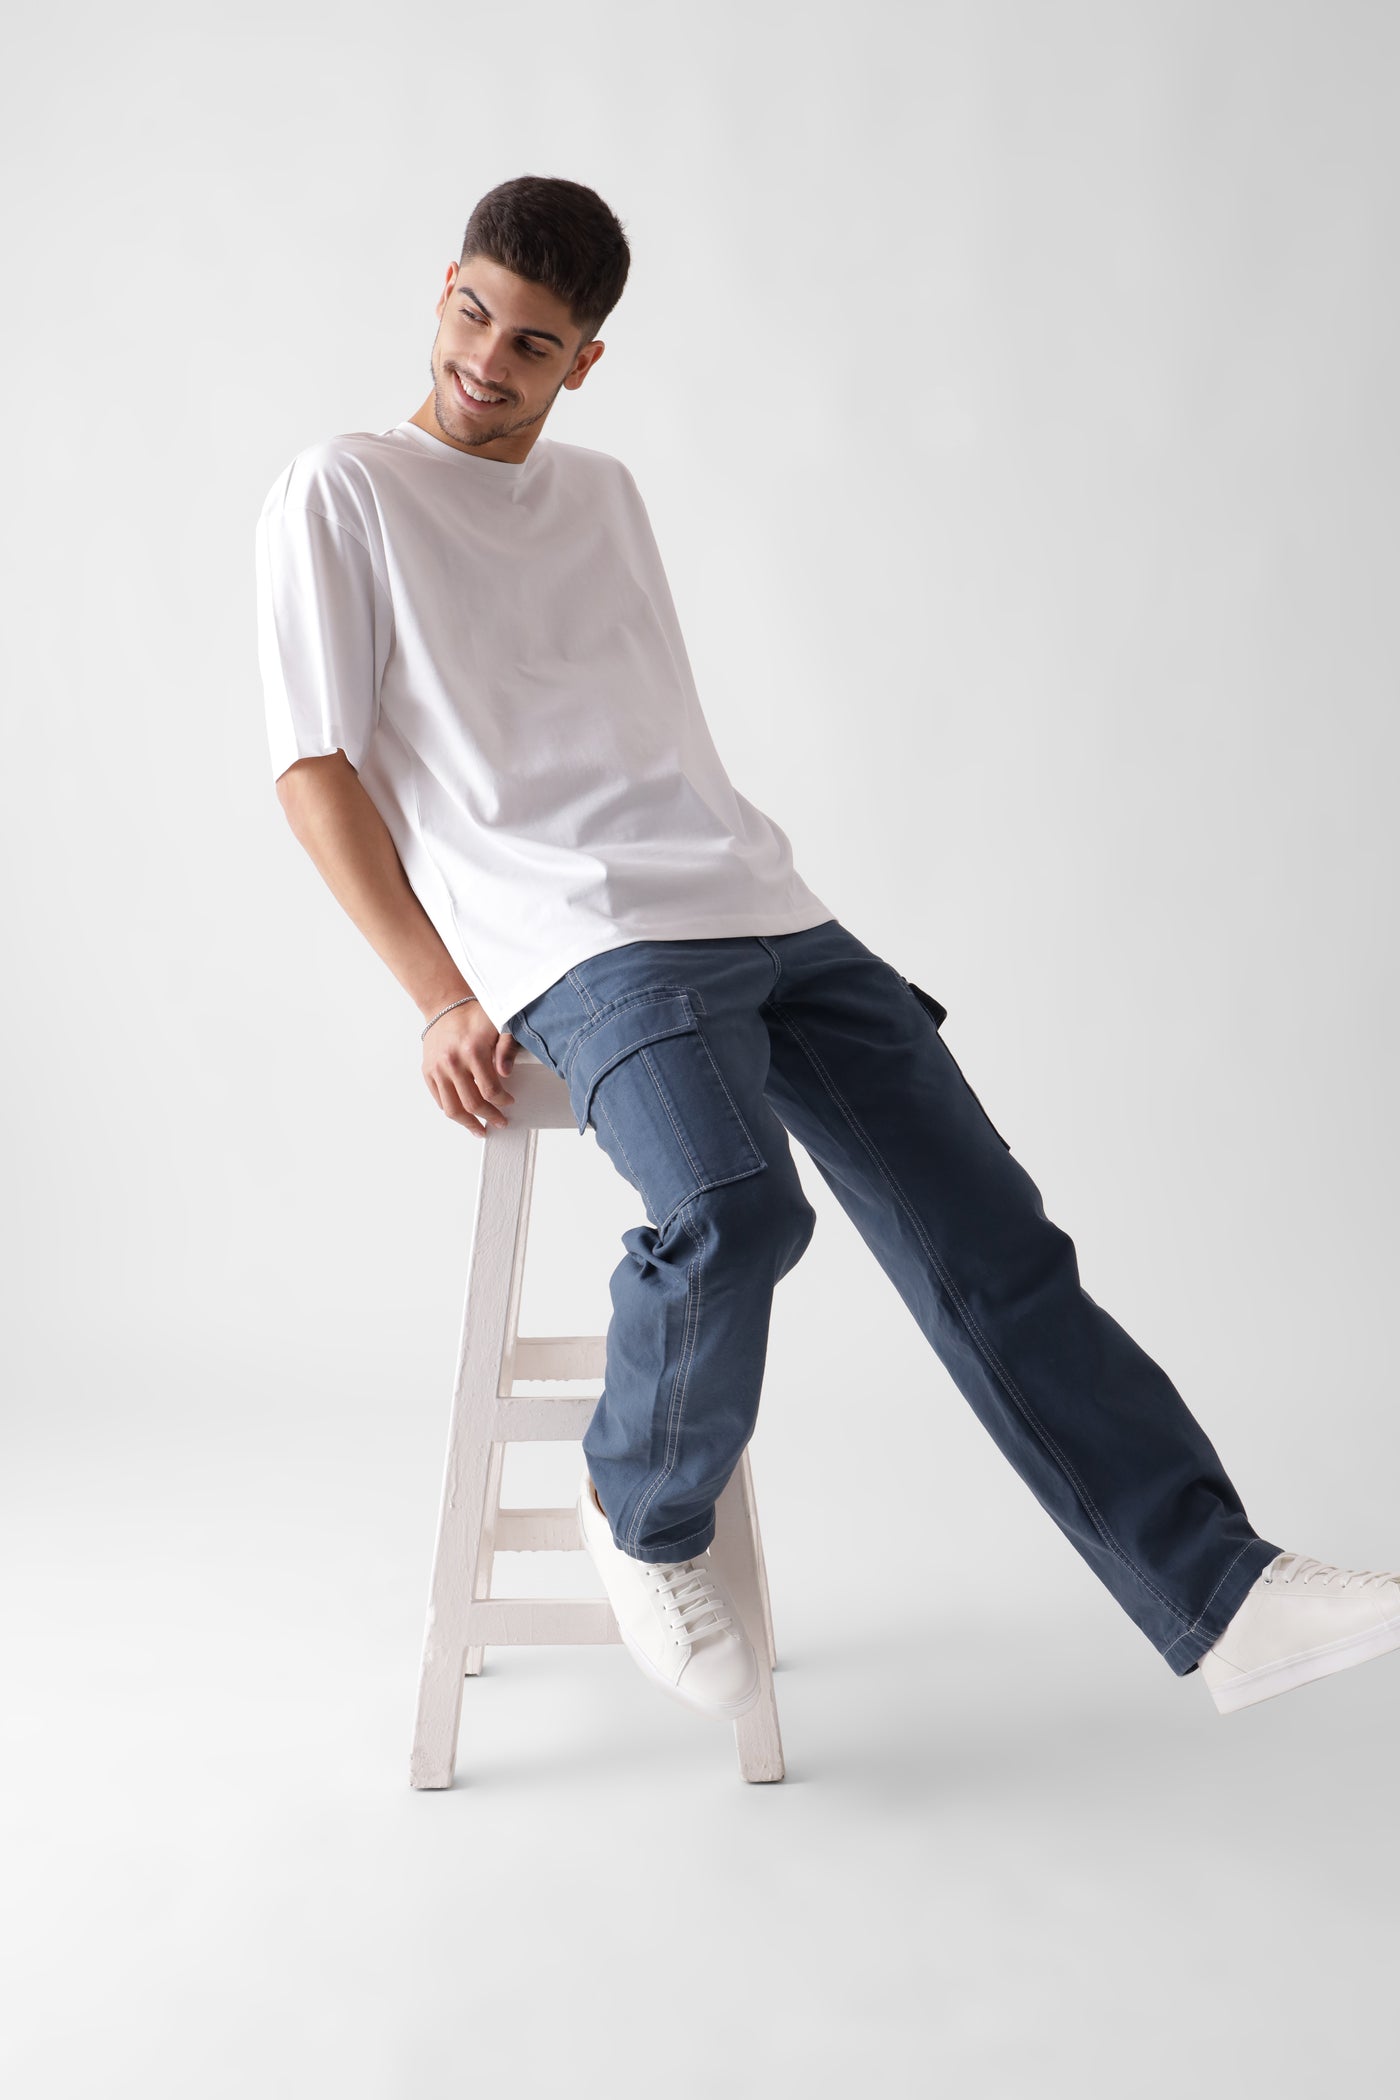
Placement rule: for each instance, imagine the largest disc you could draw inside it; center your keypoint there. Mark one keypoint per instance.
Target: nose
(489, 371)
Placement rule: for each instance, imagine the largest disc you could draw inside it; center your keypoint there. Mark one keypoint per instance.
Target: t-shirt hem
(514, 997)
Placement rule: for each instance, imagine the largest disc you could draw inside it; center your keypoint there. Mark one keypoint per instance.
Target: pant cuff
(1244, 1571)
(682, 1549)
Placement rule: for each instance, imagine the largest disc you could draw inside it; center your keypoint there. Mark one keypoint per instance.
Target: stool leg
(501, 1206)
(735, 1552)
(486, 1555)
(746, 1484)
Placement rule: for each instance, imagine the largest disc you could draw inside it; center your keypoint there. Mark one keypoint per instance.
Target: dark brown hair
(556, 234)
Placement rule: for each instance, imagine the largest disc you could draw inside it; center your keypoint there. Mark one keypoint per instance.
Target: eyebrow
(466, 288)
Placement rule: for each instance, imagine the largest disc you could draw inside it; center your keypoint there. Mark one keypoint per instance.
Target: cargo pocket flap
(614, 1035)
(938, 1011)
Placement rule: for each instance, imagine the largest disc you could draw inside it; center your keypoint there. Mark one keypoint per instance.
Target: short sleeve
(324, 620)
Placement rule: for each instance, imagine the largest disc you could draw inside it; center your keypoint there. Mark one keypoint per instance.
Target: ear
(449, 281)
(586, 361)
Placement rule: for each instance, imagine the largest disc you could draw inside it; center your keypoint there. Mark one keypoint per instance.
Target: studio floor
(1009, 1857)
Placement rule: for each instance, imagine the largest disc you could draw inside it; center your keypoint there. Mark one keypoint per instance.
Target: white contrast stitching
(676, 1413)
(990, 1356)
(1209, 1601)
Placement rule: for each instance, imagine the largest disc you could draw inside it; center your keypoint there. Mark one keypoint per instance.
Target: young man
(485, 732)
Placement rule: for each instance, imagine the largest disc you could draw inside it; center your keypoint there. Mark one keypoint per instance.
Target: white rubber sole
(733, 1712)
(1284, 1675)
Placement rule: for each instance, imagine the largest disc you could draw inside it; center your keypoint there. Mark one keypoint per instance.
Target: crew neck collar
(475, 462)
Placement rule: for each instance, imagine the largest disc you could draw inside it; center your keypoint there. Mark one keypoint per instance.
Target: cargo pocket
(938, 1014)
(641, 1074)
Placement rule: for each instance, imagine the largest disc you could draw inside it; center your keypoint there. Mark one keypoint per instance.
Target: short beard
(441, 390)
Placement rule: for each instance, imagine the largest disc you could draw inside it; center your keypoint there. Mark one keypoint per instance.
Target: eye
(526, 345)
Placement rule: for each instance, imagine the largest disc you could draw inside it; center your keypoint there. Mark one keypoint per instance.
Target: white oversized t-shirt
(494, 647)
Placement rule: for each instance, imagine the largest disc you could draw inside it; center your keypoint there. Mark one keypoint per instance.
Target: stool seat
(464, 1618)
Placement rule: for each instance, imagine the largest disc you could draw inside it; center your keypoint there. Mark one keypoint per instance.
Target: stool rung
(558, 1356)
(529, 1419)
(540, 1622)
(537, 1530)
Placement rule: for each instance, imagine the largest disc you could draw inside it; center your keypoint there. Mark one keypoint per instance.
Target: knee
(802, 1223)
(760, 1225)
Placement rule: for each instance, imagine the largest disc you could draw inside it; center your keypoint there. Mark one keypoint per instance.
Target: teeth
(475, 392)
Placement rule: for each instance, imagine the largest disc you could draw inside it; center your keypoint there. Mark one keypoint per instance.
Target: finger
(489, 1086)
(506, 1048)
(452, 1102)
(474, 1102)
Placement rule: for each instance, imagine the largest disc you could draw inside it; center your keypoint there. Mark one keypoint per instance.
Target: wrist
(442, 995)
(452, 1006)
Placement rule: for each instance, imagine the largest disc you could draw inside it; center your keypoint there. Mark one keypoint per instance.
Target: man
(485, 732)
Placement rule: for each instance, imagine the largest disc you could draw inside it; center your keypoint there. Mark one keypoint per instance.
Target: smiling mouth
(475, 397)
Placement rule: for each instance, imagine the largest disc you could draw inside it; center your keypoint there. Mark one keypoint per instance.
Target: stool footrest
(558, 1356)
(529, 1419)
(537, 1530)
(539, 1622)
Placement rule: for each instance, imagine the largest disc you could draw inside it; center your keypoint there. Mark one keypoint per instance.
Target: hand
(464, 1062)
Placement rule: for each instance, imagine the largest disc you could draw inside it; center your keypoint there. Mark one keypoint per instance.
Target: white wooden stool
(464, 1618)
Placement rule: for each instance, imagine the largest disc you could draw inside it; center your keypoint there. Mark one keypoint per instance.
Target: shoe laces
(1303, 1570)
(693, 1602)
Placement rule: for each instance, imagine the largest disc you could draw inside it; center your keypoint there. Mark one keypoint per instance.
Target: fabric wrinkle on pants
(695, 1063)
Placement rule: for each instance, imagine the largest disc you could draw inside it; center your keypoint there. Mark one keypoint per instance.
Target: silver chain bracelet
(447, 1010)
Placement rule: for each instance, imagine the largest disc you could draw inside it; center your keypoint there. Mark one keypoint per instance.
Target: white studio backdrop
(1012, 388)
(1015, 408)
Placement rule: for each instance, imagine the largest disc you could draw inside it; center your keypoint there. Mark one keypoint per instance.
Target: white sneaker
(676, 1617)
(1302, 1619)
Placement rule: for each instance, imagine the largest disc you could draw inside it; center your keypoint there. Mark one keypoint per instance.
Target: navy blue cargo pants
(693, 1061)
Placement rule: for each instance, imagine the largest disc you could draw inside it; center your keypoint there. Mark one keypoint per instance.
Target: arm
(334, 819)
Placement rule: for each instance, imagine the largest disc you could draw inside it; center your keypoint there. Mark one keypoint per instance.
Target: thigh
(861, 1076)
(665, 1055)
